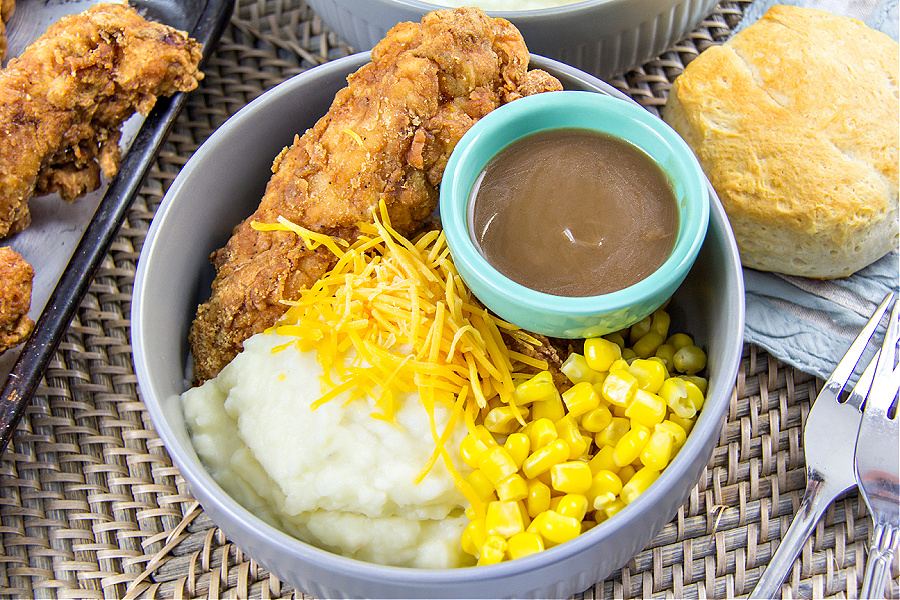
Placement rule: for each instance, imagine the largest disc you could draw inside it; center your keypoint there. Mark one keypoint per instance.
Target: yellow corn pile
(583, 454)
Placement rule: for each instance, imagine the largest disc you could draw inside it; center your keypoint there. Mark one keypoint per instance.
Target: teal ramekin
(563, 316)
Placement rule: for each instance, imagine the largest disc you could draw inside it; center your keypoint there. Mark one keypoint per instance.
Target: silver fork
(878, 464)
(829, 440)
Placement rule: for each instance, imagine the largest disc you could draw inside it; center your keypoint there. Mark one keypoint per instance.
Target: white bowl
(222, 184)
(603, 37)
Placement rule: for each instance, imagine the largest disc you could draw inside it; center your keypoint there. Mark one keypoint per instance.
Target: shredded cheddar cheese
(412, 325)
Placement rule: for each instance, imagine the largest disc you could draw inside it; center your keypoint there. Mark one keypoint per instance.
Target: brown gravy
(573, 212)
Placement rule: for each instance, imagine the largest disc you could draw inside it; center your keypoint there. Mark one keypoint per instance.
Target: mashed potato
(335, 476)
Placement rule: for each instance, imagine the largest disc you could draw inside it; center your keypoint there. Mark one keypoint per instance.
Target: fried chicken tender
(388, 135)
(63, 101)
(15, 298)
(7, 7)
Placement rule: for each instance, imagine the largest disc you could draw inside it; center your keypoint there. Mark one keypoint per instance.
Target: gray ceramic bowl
(219, 186)
(603, 37)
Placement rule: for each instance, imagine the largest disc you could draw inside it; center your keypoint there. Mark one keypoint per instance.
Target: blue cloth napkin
(810, 323)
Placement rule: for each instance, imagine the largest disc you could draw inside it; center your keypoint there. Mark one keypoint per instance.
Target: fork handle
(816, 499)
(881, 555)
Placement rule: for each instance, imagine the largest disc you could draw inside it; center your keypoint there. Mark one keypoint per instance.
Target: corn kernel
(556, 528)
(603, 460)
(603, 483)
(638, 484)
(613, 508)
(618, 411)
(701, 382)
(686, 424)
(690, 360)
(596, 420)
(679, 340)
(536, 523)
(628, 449)
(619, 387)
(493, 550)
(639, 329)
(570, 433)
(513, 488)
(613, 432)
(658, 451)
(580, 398)
(474, 444)
(504, 518)
(572, 477)
(666, 352)
(601, 353)
(543, 431)
(576, 368)
(650, 374)
(602, 500)
(619, 364)
(660, 321)
(695, 394)
(524, 544)
(483, 487)
(503, 419)
(628, 355)
(674, 393)
(544, 478)
(543, 458)
(647, 345)
(538, 499)
(646, 408)
(679, 435)
(537, 389)
(572, 505)
(550, 408)
(626, 473)
(616, 338)
(473, 537)
(519, 447)
(497, 464)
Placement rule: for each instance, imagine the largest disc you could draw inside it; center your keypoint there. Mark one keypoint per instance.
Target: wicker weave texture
(91, 506)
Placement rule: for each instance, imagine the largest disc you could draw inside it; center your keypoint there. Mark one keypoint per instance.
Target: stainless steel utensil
(829, 440)
(878, 464)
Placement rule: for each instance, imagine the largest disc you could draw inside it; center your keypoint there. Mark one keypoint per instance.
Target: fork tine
(857, 398)
(845, 368)
(885, 384)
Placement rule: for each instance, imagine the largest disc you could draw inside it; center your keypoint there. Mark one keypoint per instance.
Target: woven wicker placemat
(91, 506)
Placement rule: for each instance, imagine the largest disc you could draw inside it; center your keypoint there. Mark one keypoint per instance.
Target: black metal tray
(66, 243)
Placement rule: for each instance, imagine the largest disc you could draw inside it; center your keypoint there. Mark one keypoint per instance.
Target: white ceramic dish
(603, 37)
(222, 184)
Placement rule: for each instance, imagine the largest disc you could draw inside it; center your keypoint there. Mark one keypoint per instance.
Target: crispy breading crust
(388, 135)
(63, 100)
(15, 299)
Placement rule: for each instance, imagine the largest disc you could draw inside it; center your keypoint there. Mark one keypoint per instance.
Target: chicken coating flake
(388, 135)
(62, 102)
(15, 299)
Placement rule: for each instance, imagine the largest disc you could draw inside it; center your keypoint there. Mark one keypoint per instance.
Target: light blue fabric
(810, 323)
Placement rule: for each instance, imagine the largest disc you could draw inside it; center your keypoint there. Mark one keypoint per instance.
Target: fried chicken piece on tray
(15, 299)
(387, 135)
(64, 99)
(7, 7)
